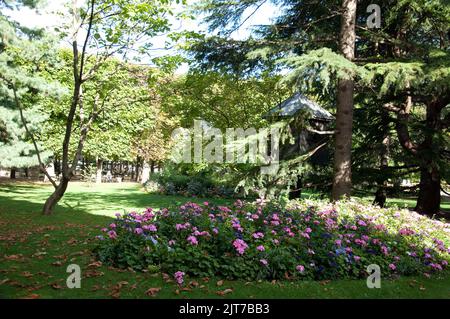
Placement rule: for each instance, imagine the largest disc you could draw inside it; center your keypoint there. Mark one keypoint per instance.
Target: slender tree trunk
(152, 167)
(12, 173)
(98, 177)
(380, 196)
(137, 174)
(342, 182)
(55, 197)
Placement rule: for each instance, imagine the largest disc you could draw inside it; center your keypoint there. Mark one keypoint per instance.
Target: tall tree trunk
(342, 182)
(98, 176)
(56, 196)
(429, 199)
(12, 173)
(137, 174)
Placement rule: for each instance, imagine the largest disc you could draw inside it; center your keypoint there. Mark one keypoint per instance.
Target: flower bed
(258, 241)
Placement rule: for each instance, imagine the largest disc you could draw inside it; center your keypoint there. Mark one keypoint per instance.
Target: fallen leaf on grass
(152, 291)
(57, 263)
(72, 241)
(95, 264)
(93, 273)
(4, 281)
(219, 283)
(224, 292)
(56, 286)
(325, 282)
(14, 257)
(27, 274)
(39, 254)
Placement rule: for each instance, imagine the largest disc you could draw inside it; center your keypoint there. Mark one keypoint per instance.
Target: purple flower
(150, 227)
(240, 246)
(260, 248)
(112, 234)
(139, 231)
(179, 277)
(192, 240)
(392, 266)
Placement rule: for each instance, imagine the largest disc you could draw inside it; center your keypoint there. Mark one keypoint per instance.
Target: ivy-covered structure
(310, 127)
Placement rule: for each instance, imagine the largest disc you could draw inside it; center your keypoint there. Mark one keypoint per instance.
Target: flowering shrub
(259, 241)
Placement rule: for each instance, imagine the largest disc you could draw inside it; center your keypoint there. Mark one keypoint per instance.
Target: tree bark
(12, 173)
(55, 197)
(98, 176)
(342, 182)
(429, 199)
(380, 195)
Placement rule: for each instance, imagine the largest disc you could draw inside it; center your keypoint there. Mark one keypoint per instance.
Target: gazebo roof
(299, 102)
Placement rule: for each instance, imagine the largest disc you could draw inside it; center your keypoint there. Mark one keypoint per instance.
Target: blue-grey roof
(299, 102)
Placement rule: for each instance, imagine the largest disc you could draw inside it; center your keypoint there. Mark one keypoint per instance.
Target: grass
(36, 250)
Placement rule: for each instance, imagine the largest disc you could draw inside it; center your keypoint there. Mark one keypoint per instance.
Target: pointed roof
(298, 102)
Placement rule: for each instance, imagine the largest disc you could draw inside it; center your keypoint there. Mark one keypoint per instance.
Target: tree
(342, 181)
(22, 89)
(107, 28)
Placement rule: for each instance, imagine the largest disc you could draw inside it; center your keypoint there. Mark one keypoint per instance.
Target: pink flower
(112, 225)
(338, 242)
(392, 266)
(258, 235)
(192, 240)
(171, 242)
(138, 231)
(362, 223)
(215, 231)
(263, 262)
(240, 246)
(112, 234)
(300, 268)
(260, 248)
(205, 203)
(150, 227)
(179, 277)
(357, 258)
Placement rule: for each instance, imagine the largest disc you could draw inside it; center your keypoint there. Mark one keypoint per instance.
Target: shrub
(259, 241)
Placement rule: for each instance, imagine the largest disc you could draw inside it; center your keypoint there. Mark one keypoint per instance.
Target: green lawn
(36, 249)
